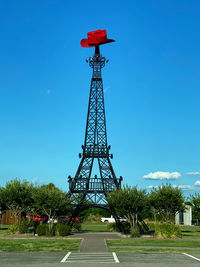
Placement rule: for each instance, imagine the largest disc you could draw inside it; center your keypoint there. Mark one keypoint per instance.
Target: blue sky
(151, 89)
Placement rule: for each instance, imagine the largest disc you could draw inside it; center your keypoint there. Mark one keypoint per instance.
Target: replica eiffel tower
(86, 190)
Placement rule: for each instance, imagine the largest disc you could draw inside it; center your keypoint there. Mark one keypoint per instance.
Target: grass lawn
(153, 242)
(153, 250)
(50, 244)
(190, 232)
(94, 227)
(166, 244)
(3, 229)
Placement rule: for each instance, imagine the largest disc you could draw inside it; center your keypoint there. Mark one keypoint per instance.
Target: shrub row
(165, 230)
(112, 227)
(43, 229)
(58, 230)
(162, 230)
(21, 228)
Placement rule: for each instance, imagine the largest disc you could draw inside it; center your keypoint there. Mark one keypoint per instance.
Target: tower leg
(117, 220)
(76, 211)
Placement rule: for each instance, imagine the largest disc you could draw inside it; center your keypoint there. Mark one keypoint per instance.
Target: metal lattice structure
(95, 148)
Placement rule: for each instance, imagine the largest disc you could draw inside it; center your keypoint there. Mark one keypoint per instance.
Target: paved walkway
(94, 242)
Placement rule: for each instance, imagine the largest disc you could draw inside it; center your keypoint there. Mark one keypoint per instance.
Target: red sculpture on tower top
(95, 38)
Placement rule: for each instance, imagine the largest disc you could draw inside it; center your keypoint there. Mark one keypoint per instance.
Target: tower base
(81, 207)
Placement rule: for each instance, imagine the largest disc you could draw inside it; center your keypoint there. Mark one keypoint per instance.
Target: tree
(2, 199)
(129, 202)
(166, 201)
(17, 196)
(2, 203)
(51, 201)
(195, 201)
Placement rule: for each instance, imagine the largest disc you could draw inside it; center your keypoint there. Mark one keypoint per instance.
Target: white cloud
(193, 173)
(197, 183)
(48, 92)
(185, 187)
(162, 176)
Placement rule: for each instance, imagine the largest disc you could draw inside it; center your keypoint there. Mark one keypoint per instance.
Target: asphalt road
(48, 259)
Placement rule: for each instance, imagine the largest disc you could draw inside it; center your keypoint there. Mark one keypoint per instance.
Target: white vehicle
(112, 220)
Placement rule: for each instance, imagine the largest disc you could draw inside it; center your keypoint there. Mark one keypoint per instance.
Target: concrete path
(94, 242)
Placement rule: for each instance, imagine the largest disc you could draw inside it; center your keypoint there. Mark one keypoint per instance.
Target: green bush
(42, 229)
(165, 230)
(13, 228)
(23, 226)
(51, 233)
(62, 230)
(126, 227)
(112, 227)
(135, 232)
(76, 226)
(94, 218)
(19, 228)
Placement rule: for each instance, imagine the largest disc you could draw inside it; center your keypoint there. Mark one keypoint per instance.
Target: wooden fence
(8, 217)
